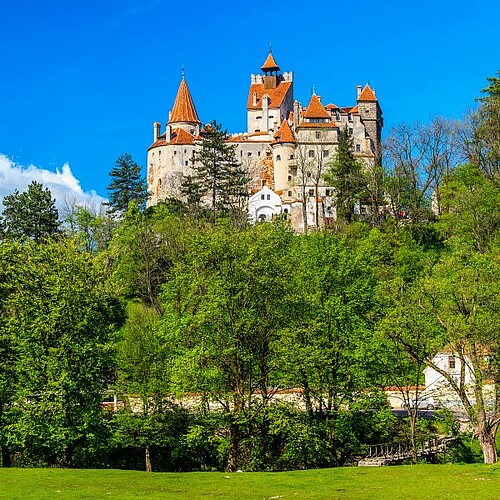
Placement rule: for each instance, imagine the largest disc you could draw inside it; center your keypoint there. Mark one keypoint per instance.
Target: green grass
(406, 482)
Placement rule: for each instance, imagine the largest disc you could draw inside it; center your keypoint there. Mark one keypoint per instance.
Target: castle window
(309, 174)
(327, 192)
(285, 210)
(351, 131)
(349, 117)
(310, 153)
(257, 130)
(451, 362)
(258, 117)
(262, 197)
(268, 196)
(325, 153)
(318, 135)
(289, 178)
(278, 157)
(185, 151)
(311, 192)
(175, 152)
(289, 193)
(186, 163)
(192, 131)
(258, 153)
(358, 148)
(291, 157)
(249, 154)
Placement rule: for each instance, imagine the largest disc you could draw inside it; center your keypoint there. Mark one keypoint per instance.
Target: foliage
(345, 175)
(218, 176)
(127, 185)
(31, 214)
(60, 316)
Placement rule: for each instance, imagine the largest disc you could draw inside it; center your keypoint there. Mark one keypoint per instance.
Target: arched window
(278, 157)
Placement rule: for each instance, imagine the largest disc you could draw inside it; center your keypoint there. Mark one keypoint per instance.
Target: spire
(184, 110)
(270, 63)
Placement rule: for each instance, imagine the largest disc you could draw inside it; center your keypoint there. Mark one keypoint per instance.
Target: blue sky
(82, 82)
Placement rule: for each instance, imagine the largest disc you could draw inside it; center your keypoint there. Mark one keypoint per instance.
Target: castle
(285, 150)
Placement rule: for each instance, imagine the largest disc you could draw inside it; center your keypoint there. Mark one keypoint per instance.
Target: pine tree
(31, 214)
(345, 175)
(217, 174)
(127, 185)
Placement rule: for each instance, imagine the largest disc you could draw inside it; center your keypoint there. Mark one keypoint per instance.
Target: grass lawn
(405, 482)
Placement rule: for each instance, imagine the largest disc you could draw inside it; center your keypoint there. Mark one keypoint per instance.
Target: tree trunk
(486, 438)
(234, 445)
(148, 459)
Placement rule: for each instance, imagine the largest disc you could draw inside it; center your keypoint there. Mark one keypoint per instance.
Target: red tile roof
(270, 64)
(315, 109)
(181, 136)
(184, 110)
(285, 133)
(367, 94)
(276, 95)
(354, 110)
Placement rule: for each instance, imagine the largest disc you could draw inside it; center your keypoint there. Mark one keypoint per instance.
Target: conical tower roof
(270, 64)
(285, 133)
(367, 94)
(184, 109)
(315, 109)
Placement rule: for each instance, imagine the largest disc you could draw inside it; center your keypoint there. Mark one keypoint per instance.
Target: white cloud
(63, 185)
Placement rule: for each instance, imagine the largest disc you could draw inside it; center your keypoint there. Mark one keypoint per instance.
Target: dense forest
(236, 346)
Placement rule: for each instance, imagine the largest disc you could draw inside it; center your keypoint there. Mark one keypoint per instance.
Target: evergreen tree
(217, 174)
(127, 185)
(346, 177)
(31, 214)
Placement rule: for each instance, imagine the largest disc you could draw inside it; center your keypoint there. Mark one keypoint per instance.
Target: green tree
(345, 175)
(31, 214)
(61, 315)
(325, 347)
(143, 371)
(223, 315)
(127, 185)
(217, 174)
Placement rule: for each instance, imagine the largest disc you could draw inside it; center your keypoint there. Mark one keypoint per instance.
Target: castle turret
(270, 98)
(285, 169)
(371, 116)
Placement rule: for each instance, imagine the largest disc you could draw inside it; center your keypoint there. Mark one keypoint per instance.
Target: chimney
(254, 99)
(358, 87)
(168, 133)
(156, 131)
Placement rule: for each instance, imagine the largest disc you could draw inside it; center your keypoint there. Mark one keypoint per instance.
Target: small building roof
(284, 133)
(276, 95)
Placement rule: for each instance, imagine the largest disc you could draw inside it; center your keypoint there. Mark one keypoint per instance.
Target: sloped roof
(285, 134)
(315, 109)
(270, 63)
(367, 94)
(276, 95)
(184, 109)
(181, 136)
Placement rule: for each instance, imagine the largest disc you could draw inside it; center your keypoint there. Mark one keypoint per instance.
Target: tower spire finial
(270, 47)
(183, 72)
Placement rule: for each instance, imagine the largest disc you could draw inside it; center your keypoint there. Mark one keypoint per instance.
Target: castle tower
(270, 98)
(170, 155)
(371, 115)
(283, 156)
